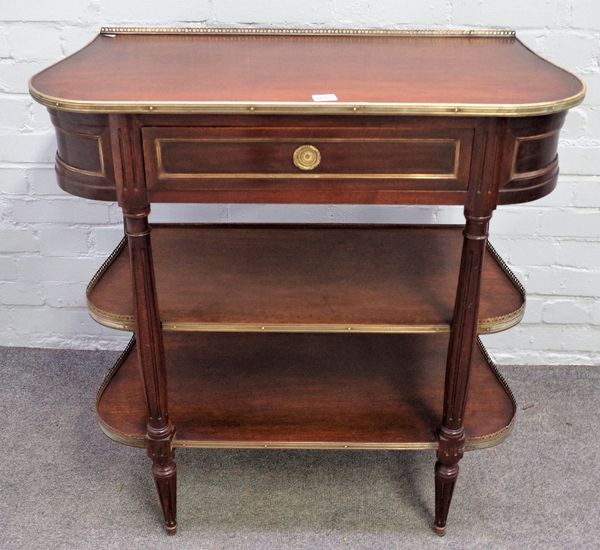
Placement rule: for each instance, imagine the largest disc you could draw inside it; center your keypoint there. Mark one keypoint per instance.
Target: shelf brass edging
(473, 443)
(488, 325)
(266, 107)
(111, 320)
(110, 432)
(490, 440)
(500, 323)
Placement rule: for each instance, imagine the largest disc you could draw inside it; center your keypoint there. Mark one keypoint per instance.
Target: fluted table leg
(451, 435)
(148, 332)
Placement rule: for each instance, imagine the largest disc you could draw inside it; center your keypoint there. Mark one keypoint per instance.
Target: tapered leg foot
(164, 471)
(166, 484)
(439, 531)
(445, 479)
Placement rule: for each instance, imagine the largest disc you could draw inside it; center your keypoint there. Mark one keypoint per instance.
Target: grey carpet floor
(65, 485)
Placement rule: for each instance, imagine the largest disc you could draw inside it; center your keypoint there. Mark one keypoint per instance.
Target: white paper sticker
(324, 97)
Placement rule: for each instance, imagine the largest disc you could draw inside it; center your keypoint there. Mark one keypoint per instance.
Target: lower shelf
(326, 391)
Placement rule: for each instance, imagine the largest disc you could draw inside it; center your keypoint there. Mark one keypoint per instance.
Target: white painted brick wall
(51, 243)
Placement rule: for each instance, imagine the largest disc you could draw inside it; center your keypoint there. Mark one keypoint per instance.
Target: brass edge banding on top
(579, 95)
(488, 325)
(241, 31)
(310, 108)
(478, 442)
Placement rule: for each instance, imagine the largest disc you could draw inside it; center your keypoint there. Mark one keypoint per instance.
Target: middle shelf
(305, 278)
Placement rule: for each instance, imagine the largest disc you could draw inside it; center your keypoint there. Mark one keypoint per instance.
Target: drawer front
(302, 164)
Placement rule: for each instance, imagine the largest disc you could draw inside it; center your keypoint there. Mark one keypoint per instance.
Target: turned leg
(159, 430)
(133, 198)
(451, 436)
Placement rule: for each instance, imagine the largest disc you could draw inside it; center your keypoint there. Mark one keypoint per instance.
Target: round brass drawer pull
(307, 157)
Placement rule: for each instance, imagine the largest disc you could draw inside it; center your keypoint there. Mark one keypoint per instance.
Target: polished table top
(489, 73)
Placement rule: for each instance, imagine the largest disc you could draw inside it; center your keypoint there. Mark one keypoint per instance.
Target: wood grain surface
(183, 69)
(255, 389)
(306, 275)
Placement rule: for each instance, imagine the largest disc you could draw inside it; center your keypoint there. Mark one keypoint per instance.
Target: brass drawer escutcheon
(307, 157)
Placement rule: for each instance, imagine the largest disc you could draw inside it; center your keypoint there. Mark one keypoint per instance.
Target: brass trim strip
(490, 440)
(321, 328)
(309, 108)
(471, 444)
(120, 437)
(112, 320)
(71, 168)
(102, 172)
(105, 265)
(548, 169)
(320, 445)
(490, 325)
(506, 269)
(241, 31)
(537, 137)
(485, 326)
(127, 322)
(294, 175)
(110, 432)
(518, 141)
(478, 442)
(500, 323)
(162, 174)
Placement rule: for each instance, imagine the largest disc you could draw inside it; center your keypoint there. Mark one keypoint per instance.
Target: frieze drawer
(345, 164)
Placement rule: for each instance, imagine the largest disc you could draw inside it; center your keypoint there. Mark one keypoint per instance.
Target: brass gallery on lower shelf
(479, 442)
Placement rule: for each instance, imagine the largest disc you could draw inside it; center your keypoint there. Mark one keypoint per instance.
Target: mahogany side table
(306, 336)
